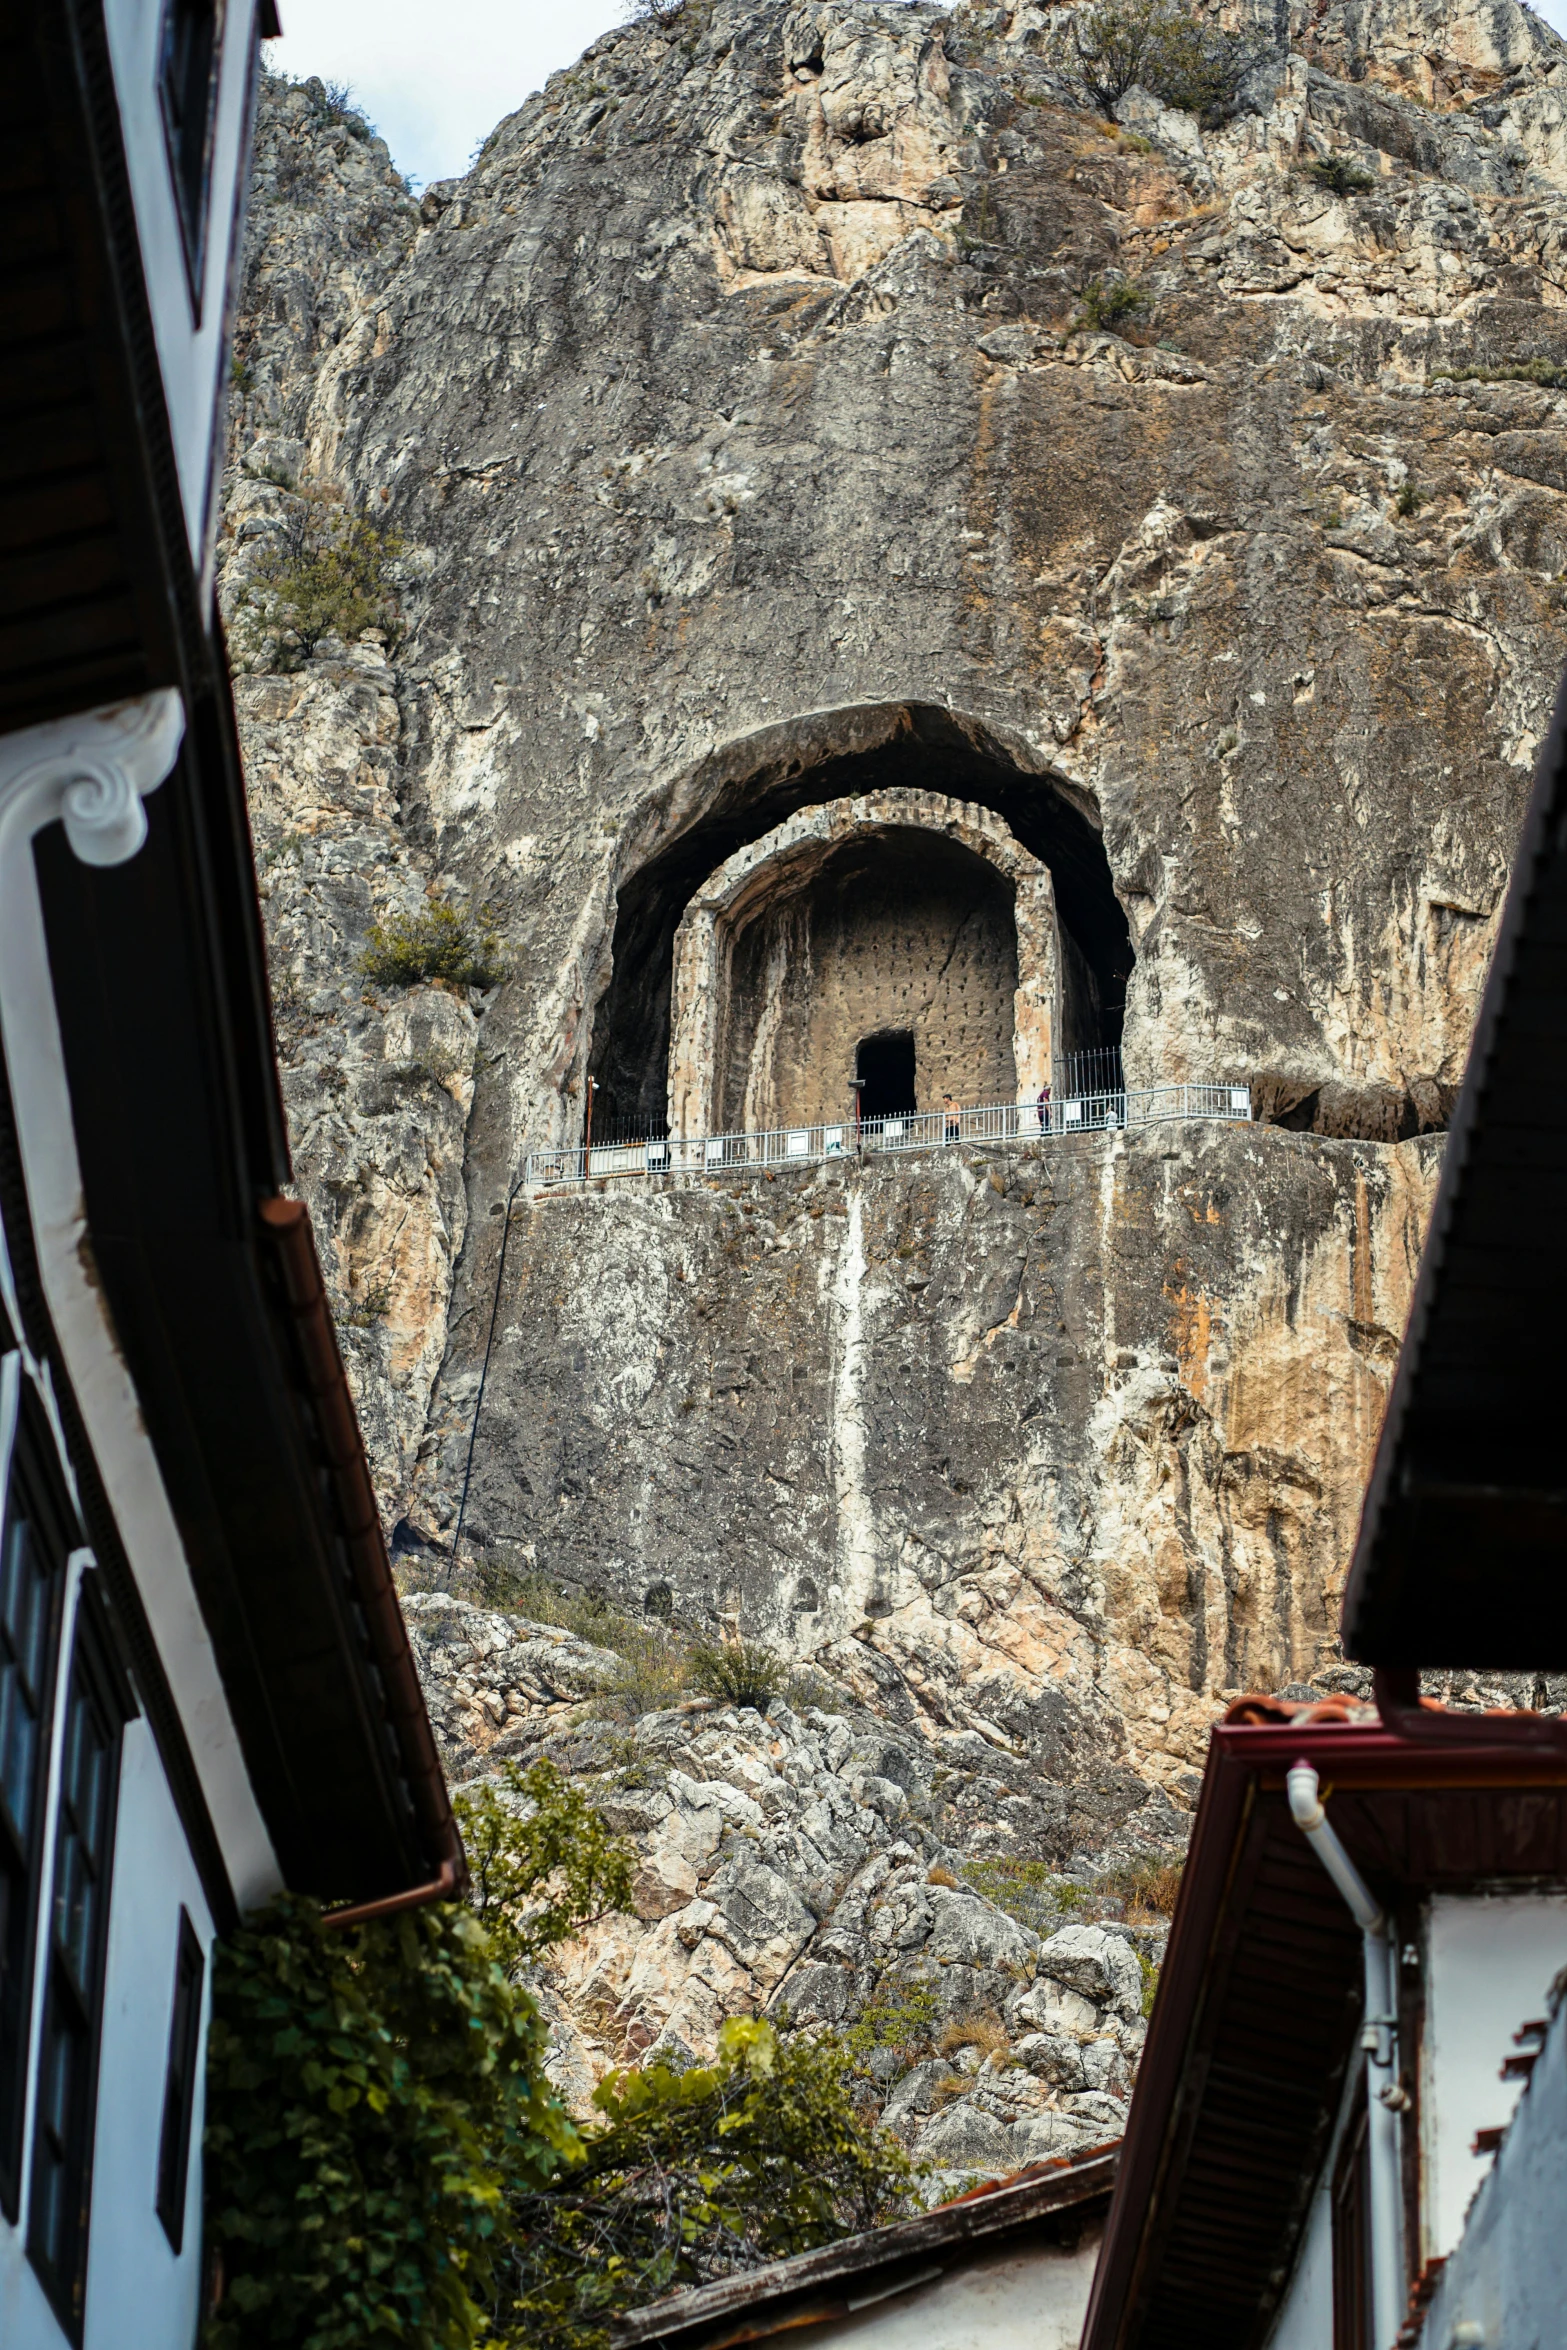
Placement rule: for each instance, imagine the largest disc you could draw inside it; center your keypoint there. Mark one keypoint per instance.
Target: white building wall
(1490, 1960)
(1306, 2320)
(1505, 2287)
(130, 2262)
(138, 2291)
(1014, 2300)
(26, 2320)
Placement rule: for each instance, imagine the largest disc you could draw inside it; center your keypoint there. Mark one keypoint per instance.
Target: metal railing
(807, 1146)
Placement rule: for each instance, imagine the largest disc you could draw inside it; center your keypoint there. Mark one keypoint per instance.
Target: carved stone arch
(745, 788)
(780, 868)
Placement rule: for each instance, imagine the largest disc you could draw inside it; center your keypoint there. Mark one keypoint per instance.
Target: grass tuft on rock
(740, 1672)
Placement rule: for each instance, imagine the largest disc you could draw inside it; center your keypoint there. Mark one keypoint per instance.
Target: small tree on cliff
(1159, 46)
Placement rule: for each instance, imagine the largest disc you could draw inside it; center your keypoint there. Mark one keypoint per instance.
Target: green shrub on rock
(542, 1861)
(435, 943)
(1105, 307)
(1339, 175)
(324, 574)
(1159, 46)
(695, 2175)
(741, 1672)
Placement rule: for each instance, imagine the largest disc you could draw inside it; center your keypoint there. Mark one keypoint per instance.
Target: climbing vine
(368, 2092)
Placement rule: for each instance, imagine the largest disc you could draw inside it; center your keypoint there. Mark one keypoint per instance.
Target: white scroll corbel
(93, 771)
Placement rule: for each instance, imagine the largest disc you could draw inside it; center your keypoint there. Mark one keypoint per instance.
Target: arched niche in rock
(897, 915)
(746, 788)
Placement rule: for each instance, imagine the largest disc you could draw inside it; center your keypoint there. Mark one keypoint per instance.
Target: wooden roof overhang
(211, 1277)
(159, 973)
(1462, 1553)
(1049, 2206)
(97, 595)
(1259, 2001)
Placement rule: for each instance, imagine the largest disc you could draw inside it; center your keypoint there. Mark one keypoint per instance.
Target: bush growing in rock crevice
(1105, 307)
(742, 1672)
(1341, 177)
(435, 943)
(324, 573)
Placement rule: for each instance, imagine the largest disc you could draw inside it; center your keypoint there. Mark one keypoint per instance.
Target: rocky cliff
(796, 402)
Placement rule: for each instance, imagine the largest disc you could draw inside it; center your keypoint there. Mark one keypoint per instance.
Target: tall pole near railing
(587, 1147)
(478, 1401)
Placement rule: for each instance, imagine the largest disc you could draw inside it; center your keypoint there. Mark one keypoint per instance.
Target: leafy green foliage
(1159, 46)
(324, 574)
(368, 2091)
(435, 943)
(741, 1672)
(1338, 174)
(901, 2016)
(1410, 499)
(693, 2176)
(385, 2160)
(1106, 306)
(547, 1838)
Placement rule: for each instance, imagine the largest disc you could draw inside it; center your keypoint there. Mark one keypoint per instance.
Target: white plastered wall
(1490, 1960)
(1031, 2299)
(94, 770)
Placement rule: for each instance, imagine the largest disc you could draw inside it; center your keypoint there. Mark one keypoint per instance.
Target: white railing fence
(805, 1146)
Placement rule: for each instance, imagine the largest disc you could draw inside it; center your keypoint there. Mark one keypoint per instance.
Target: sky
(436, 76)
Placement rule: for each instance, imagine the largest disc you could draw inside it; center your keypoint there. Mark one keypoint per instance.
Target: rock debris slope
(747, 440)
(798, 1864)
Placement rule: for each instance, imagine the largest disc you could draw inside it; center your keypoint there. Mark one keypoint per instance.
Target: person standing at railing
(953, 1122)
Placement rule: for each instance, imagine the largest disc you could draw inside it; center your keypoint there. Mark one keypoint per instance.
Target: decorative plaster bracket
(93, 771)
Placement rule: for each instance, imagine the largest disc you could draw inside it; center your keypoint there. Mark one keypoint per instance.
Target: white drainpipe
(1385, 2099)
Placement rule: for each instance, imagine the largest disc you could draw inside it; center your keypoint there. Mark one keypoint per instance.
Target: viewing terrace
(1049, 1117)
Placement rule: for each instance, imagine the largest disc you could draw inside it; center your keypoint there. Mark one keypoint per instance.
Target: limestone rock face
(800, 404)
(797, 1864)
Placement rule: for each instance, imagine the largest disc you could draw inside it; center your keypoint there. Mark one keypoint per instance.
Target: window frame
(180, 2077)
(70, 2006)
(1351, 2208)
(190, 159)
(29, 1464)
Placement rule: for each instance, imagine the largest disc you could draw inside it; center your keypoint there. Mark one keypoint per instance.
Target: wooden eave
(1259, 2001)
(1462, 1553)
(97, 601)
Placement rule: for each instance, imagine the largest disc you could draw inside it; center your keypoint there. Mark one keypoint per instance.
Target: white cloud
(436, 76)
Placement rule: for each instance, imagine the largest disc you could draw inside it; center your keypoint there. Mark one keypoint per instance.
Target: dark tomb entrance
(884, 1065)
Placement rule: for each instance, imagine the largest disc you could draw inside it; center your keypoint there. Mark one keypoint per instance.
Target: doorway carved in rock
(897, 914)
